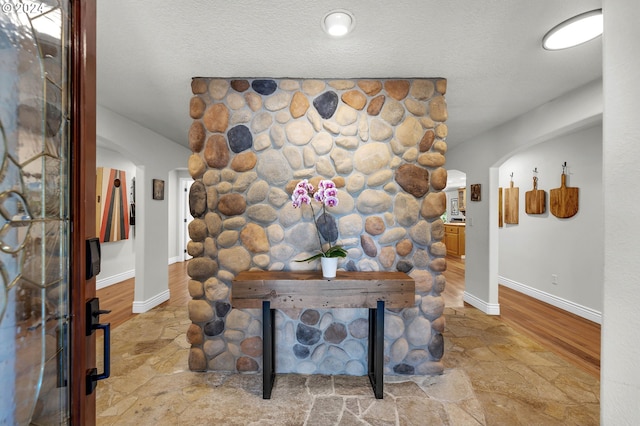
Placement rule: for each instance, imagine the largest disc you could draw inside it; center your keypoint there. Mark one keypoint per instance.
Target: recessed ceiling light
(338, 23)
(574, 31)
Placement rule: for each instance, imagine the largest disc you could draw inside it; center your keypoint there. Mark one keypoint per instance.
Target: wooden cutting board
(535, 200)
(563, 201)
(511, 200)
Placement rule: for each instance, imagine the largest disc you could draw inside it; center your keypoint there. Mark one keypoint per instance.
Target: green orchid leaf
(335, 251)
(309, 259)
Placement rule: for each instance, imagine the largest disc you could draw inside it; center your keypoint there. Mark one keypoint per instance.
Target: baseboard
(558, 302)
(175, 259)
(147, 305)
(114, 279)
(487, 308)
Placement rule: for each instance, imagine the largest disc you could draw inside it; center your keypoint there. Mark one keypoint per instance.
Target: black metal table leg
(268, 349)
(376, 349)
(372, 348)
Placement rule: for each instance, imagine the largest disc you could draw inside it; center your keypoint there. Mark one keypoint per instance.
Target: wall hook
(535, 170)
(564, 166)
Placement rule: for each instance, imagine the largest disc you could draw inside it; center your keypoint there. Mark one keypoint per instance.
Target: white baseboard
(175, 259)
(558, 302)
(114, 279)
(487, 308)
(147, 305)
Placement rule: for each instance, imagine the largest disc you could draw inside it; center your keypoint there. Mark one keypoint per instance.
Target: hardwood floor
(572, 337)
(454, 290)
(119, 297)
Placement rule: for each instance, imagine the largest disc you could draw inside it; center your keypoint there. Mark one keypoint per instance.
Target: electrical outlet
(554, 279)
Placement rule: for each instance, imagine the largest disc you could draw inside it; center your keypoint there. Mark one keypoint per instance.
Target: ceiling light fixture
(574, 31)
(338, 23)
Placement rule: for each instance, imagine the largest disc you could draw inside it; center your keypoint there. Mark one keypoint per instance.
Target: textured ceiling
(488, 50)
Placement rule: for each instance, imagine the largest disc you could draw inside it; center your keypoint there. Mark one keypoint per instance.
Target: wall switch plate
(554, 279)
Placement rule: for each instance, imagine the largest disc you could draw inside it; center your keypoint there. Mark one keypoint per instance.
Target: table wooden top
(308, 289)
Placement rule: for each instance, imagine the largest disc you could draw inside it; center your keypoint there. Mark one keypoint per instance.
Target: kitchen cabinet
(454, 239)
(462, 199)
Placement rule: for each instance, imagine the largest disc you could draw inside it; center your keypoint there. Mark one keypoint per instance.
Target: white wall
(620, 370)
(542, 245)
(155, 157)
(175, 213)
(480, 159)
(118, 257)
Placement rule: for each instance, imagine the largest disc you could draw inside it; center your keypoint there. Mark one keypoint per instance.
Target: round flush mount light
(338, 23)
(574, 31)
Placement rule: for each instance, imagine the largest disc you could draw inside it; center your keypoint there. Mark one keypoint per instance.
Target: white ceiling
(489, 51)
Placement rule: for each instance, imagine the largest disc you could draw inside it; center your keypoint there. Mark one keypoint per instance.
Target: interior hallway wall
(155, 157)
(175, 213)
(118, 257)
(480, 158)
(620, 374)
(542, 245)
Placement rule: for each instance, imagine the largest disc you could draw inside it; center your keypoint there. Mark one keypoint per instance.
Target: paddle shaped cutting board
(563, 201)
(511, 204)
(535, 200)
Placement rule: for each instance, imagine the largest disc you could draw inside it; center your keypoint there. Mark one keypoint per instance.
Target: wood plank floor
(119, 297)
(572, 337)
(454, 290)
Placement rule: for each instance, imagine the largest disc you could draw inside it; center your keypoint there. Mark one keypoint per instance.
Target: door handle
(93, 323)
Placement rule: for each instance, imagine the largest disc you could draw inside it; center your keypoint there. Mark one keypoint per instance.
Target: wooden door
(47, 139)
(83, 202)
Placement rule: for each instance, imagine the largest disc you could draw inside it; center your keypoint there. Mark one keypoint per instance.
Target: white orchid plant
(327, 196)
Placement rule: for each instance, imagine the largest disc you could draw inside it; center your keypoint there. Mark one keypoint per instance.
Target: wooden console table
(272, 290)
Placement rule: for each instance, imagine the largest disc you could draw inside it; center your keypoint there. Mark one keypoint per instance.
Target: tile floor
(494, 376)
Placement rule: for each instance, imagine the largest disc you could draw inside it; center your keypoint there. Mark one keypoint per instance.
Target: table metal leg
(376, 349)
(268, 349)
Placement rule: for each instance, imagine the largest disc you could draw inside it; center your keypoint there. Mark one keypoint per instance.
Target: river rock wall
(383, 143)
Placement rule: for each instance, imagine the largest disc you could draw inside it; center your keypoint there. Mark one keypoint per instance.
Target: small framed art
(475, 192)
(158, 189)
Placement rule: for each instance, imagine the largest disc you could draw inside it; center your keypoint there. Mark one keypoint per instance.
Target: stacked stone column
(383, 143)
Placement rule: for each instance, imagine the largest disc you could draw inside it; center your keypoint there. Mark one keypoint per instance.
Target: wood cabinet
(454, 238)
(462, 199)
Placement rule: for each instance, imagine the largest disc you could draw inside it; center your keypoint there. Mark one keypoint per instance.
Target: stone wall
(383, 144)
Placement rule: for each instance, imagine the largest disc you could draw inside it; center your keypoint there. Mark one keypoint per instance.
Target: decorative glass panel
(34, 228)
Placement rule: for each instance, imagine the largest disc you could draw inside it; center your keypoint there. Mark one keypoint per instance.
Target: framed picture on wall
(475, 192)
(158, 189)
(454, 207)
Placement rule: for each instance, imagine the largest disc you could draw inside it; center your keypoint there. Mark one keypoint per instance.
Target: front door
(47, 64)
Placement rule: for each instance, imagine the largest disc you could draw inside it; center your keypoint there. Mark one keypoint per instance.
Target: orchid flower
(327, 195)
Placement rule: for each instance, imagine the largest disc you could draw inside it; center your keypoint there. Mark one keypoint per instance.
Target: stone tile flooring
(494, 376)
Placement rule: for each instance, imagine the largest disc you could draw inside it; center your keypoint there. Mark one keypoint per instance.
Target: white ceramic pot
(329, 266)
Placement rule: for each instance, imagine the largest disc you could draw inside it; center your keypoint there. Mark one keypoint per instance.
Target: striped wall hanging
(112, 215)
